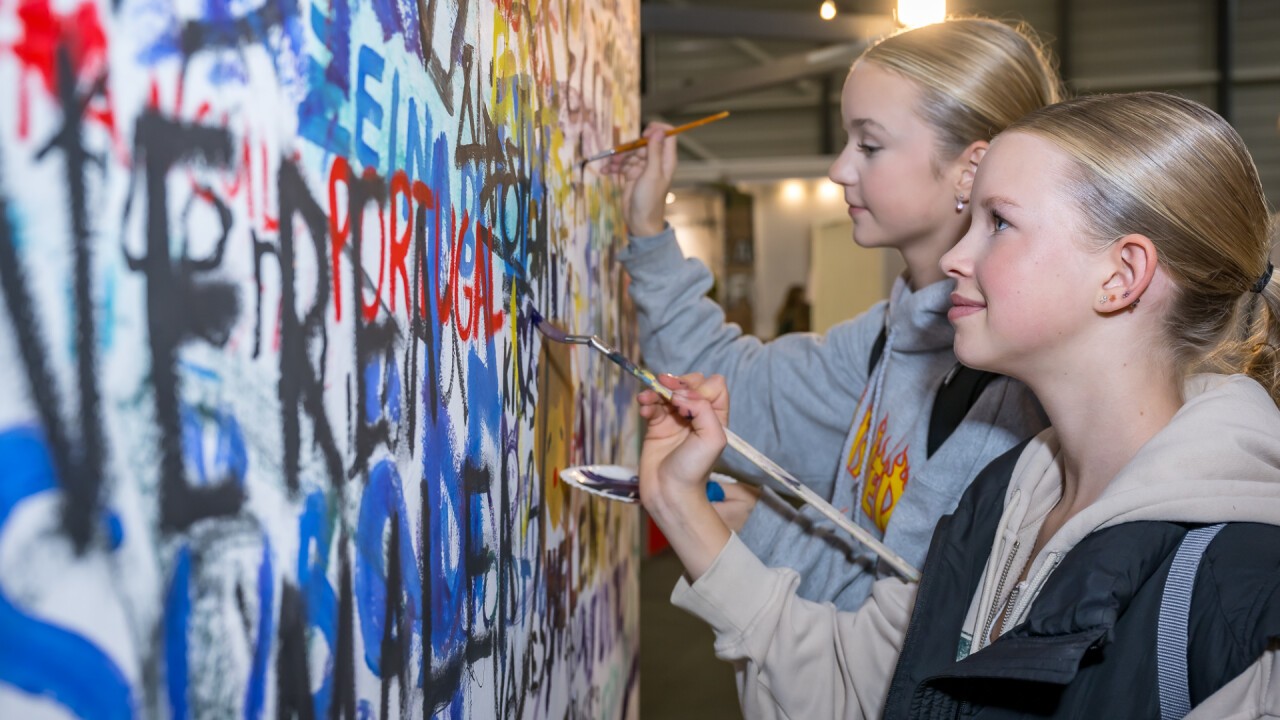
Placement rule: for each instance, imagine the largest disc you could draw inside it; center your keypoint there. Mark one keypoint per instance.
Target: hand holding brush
(775, 471)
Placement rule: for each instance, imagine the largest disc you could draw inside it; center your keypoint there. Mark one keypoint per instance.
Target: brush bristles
(549, 331)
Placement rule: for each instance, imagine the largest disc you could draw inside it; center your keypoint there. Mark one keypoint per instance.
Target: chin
(976, 358)
(871, 243)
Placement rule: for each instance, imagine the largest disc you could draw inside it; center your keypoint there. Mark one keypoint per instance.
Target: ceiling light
(828, 10)
(828, 190)
(792, 191)
(914, 13)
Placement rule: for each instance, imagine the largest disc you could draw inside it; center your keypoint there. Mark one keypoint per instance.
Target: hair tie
(1264, 280)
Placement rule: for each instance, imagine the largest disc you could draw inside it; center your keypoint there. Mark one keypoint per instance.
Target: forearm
(796, 658)
(692, 526)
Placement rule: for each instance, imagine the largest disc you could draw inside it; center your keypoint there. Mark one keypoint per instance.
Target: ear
(967, 163)
(1130, 263)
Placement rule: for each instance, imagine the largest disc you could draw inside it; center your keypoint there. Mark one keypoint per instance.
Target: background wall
(277, 436)
(786, 214)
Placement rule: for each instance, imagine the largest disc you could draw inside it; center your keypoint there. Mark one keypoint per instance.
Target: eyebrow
(859, 123)
(990, 202)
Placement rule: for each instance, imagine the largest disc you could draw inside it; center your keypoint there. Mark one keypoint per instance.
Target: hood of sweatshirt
(918, 319)
(1218, 460)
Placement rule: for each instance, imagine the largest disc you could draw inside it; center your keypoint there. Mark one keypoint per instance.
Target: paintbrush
(636, 144)
(759, 459)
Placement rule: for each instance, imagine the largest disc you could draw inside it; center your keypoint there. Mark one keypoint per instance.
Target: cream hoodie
(1217, 460)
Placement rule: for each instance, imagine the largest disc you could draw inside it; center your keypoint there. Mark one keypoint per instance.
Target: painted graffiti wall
(277, 437)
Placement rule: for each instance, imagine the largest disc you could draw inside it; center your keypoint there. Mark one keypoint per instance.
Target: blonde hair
(1175, 171)
(976, 76)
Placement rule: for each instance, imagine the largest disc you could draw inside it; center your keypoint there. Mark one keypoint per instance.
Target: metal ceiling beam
(752, 50)
(784, 70)
(705, 21)
(749, 169)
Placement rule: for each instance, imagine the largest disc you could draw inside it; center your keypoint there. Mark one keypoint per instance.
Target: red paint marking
(423, 196)
(269, 223)
(339, 173)
(44, 32)
(400, 244)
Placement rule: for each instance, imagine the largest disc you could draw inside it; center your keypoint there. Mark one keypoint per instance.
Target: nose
(842, 171)
(959, 260)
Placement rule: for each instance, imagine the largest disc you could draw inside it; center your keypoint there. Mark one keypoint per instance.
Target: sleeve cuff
(732, 593)
(659, 250)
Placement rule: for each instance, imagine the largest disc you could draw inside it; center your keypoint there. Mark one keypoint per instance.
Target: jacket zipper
(1030, 591)
(994, 612)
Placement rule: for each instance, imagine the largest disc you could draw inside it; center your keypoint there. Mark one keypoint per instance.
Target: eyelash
(868, 149)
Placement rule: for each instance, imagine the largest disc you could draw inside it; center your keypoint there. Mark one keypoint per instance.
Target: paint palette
(617, 482)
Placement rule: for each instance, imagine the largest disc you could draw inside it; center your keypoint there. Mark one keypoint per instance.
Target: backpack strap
(959, 392)
(877, 349)
(1173, 629)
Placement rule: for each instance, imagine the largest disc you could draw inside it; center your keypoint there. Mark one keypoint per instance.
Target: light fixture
(828, 191)
(671, 197)
(792, 191)
(828, 10)
(914, 13)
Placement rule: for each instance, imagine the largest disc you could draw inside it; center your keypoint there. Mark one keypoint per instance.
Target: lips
(855, 210)
(962, 306)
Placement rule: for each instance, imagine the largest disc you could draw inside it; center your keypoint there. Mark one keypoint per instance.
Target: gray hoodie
(1218, 460)
(808, 402)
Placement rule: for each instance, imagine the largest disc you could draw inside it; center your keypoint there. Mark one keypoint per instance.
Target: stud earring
(1126, 294)
(1102, 299)
(960, 203)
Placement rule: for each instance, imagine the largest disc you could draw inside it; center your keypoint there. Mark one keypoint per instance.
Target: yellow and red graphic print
(887, 471)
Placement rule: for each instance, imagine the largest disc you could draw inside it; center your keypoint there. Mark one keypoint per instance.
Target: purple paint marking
(550, 331)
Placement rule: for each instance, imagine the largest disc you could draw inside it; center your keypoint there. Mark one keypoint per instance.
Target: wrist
(647, 228)
(674, 505)
(694, 529)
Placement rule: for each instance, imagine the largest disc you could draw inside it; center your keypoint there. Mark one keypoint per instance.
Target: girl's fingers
(692, 380)
(713, 388)
(669, 158)
(698, 411)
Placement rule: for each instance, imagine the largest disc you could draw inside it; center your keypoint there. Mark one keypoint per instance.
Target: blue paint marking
(392, 147)
(322, 601)
(177, 614)
(398, 18)
(320, 112)
(417, 161)
(28, 467)
(35, 658)
(115, 530)
(230, 460)
(369, 65)
(255, 696)
(484, 395)
(715, 493)
(382, 497)
(372, 384)
(393, 392)
(35, 654)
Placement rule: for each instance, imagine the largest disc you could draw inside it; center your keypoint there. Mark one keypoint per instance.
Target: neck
(923, 256)
(1103, 415)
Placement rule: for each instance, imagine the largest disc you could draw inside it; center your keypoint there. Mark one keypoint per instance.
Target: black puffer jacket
(1087, 649)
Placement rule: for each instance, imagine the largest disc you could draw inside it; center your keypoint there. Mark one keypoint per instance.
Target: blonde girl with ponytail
(850, 411)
